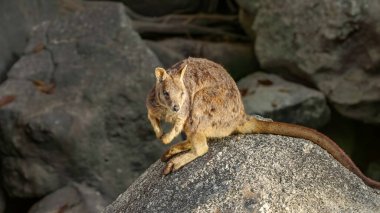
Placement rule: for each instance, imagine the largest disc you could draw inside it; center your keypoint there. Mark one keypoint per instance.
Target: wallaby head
(170, 89)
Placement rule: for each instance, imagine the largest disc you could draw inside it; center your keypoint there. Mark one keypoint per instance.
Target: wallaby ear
(160, 74)
(183, 72)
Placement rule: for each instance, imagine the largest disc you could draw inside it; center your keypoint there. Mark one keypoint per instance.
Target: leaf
(63, 208)
(44, 87)
(265, 82)
(71, 5)
(6, 100)
(39, 47)
(284, 90)
(243, 92)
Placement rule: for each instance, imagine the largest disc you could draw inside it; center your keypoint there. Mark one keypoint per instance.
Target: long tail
(254, 125)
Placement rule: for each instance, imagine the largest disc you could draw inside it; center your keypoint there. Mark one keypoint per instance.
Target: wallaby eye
(166, 94)
(182, 93)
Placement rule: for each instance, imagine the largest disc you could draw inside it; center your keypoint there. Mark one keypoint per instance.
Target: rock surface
(237, 58)
(252, 173)
(75, 198)
(92, 128)
(333, 44)
(271, 96)
(16, 20)
(2, 201)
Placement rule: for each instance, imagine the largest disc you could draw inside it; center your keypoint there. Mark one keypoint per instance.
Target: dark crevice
(19, 205)
(357, 139)
(14, 58)
(51, 54)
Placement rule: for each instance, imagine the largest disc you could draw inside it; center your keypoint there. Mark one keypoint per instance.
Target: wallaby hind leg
(199, 147)
(175, 149)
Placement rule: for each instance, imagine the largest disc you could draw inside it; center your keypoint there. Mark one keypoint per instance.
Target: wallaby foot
(175, 149)
(199, 148)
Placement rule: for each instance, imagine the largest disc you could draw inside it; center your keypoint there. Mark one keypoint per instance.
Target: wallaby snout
(175, 108)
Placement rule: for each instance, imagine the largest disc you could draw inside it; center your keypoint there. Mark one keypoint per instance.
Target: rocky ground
(74, 76)
(252, 173)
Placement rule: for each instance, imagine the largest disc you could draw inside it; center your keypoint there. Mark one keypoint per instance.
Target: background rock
(71, 199)
(335, 45)
(16, 20)
(93, 128)
(155, 8)
(163, 7)
(2, 201)
(374, 170)
(237, 58)
(271, 96)
(248, 173)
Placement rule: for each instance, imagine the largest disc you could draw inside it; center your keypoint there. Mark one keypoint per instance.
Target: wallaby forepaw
(168, 168)
(166, 156)
(166, 139)
(159, 134)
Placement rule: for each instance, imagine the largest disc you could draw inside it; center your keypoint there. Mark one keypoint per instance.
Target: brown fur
(200, 98)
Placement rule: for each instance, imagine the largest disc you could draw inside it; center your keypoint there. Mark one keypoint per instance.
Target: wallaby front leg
(175, 149)
(177, 128)
(199, 148)
(155, 122)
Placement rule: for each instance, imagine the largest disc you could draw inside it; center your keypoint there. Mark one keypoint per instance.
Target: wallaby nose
(176, 108)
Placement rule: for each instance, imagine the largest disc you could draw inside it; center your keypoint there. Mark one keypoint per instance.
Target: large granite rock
(333, 44)
(271, 96)
(16, 20)
(237, 58)
(92, 129)
(252, 173)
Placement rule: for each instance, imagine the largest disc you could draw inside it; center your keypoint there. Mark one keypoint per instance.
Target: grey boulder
(252, 173)
(16, 20)
(271, 96)
(92, 128)
(332, 44)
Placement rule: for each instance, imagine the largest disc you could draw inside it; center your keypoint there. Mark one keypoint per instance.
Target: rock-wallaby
(201, 99)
